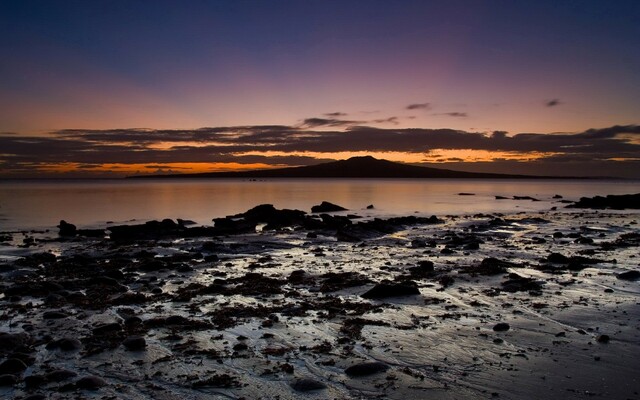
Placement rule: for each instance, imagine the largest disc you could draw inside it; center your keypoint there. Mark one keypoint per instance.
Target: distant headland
(355, 167)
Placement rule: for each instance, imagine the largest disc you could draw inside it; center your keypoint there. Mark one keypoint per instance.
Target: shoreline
(308, 306)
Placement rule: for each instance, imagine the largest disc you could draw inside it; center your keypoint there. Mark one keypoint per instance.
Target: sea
(41, 204)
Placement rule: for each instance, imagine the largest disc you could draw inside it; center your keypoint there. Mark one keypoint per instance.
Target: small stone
(307, 385)
(629, 276)
(69, 344)
(135, 343)
(12, 366)
(90, 383)
(501, 327)
(240, 347)
(54, 315)
(105, 329)
(36, 396)
(60, 375)
(8, 380)
(367, 368)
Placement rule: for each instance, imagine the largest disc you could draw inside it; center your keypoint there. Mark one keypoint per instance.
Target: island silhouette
(354, 167)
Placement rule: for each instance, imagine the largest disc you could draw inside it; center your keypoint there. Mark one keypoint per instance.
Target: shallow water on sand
(439, 343)
(42, 204)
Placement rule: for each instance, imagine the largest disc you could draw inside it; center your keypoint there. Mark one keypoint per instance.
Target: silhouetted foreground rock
(325, 206)
(266, 215)
(616, 202)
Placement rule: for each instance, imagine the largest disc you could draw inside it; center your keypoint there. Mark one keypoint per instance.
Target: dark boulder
(67, 229)
(8, 380)
(11, 341)
(12, 366)
(135, 343)
(501, 327)
(106, 329)
(90, 383)
(307, 385)
(60, 375)
(629, 276)
(365, 369)
(616, 202)
(388, 289)
(517, 283)
(325, 206)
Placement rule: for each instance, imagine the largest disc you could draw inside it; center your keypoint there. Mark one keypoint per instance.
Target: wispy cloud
(455, 114)
(335, 114)
(243, 144)
(390, 120)
(552, 103)
(331, 122)
(419, 106)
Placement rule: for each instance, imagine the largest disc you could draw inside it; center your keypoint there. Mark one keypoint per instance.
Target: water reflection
(42, 204)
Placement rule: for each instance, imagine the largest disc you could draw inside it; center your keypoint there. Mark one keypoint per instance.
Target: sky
(114, 88)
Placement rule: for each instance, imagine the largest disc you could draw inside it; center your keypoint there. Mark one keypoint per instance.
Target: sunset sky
(114, 88)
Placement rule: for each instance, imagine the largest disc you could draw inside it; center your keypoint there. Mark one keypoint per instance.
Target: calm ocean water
(42, 204)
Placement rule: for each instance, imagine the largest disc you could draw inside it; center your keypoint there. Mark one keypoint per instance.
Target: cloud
(390, 120)
(243, 144)
(419, 106)
(331, 122)
(335, 114)
(455, 114)
(552, 103)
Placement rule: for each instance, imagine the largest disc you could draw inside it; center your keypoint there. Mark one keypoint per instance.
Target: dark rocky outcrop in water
(66, 229)
(615, 202)
(325, 206)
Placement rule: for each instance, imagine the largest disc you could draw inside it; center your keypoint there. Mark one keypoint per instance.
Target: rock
(501, 327)
(603, 339)
(240, 347)
(106, 329)
(325, 206)
(365, 369)
(388, 289)
(60, 375)
(525, 198)
(307, 385)
(8, 380)
(491, 266)
(36, 396)
(11, 341)
(69, 344)
(90, 383)
(557, 258)
(12, 366)
(67, 229)
(629, 275)
(34, 381)
(54, 315)
(517, 283)
(466, 194)
(135, 343)
(616, 202)
(501, 198)
(370, 207)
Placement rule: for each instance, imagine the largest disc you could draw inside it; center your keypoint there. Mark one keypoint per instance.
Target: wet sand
(529, 305)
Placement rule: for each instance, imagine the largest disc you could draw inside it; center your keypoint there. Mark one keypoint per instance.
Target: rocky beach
(328, 304)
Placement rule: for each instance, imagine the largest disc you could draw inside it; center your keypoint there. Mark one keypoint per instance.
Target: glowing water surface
(41, 204)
